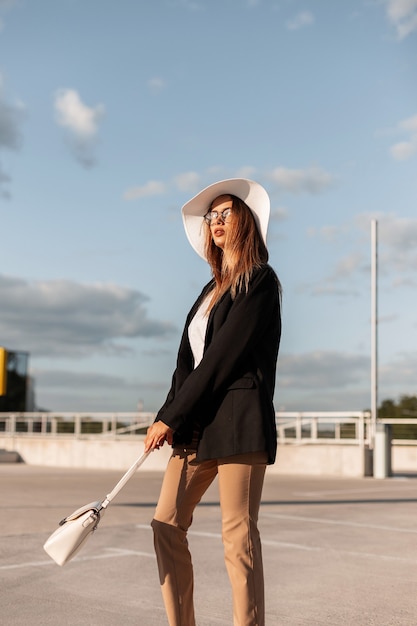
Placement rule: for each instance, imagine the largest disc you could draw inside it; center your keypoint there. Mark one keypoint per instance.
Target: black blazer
(230, 394)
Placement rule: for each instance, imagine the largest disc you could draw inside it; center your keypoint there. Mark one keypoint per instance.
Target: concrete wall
(323, 459)
(314, 459)
(404, 457)
(83, 453)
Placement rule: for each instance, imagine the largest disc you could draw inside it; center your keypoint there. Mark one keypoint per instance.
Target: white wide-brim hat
(252, 193)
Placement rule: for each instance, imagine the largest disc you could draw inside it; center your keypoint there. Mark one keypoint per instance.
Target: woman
(219, 413)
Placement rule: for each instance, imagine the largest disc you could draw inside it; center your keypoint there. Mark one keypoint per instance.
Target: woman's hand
(156, 436)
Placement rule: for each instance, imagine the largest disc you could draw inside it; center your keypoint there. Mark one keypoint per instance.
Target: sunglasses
(211, 216)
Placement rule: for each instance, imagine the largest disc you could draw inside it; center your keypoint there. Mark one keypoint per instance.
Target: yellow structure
(3, 371)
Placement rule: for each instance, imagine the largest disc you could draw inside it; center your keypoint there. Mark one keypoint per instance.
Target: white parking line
(380, 489)
(27, 564)
(279, 544)
(322, 520)
(118, 552)
(308, 548)
(110, 553)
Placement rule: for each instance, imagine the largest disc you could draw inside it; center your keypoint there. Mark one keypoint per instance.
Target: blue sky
(113, 114)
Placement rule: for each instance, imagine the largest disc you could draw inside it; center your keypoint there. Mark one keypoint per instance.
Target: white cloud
(397, 233)
(397, 254)
(152, 188)
(331, 381)
(329, 232)
(408, 281)
(329, 287)
(64, 318)
(398, 242)
(246, 172)
(75, 115)
(404, 150)
(322, 369)
(400, 233)
(387, 319)
(397, 246)
(403, 16)
(11, 116)
(354, 399)
(348, 265)
(4, 179)
(67, 390)
(4, 5)
(398, 376)
(156, 84)
(410, 123)
(81, 122)
(190, 5)
(342, 279)
(310, 180)
(86, 381)
(188, 181)
(303, 18)
(279, 214)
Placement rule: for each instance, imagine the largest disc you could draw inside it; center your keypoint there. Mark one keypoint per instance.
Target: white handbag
(74, 530)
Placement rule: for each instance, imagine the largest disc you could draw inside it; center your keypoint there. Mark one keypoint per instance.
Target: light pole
(374, 329)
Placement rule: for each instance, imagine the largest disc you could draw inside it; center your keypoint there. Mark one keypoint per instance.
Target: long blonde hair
(246, 251)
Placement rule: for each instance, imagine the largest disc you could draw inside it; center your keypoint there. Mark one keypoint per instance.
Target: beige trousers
(240, 486)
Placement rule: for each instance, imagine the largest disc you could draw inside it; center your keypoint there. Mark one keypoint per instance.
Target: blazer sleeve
(250, 313)
(185, 361)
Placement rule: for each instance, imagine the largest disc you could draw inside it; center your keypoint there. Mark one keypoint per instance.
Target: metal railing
(300, 428)
(324, 427)
(293, 427)
(68, 424)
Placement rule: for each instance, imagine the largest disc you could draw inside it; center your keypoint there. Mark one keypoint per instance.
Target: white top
(197, 331)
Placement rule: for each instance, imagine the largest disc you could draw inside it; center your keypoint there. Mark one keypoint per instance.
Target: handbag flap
(94, 507)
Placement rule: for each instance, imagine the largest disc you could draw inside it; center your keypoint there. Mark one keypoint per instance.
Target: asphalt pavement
(336, 552)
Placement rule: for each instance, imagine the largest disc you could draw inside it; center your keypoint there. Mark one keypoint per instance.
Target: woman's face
(221, 225)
